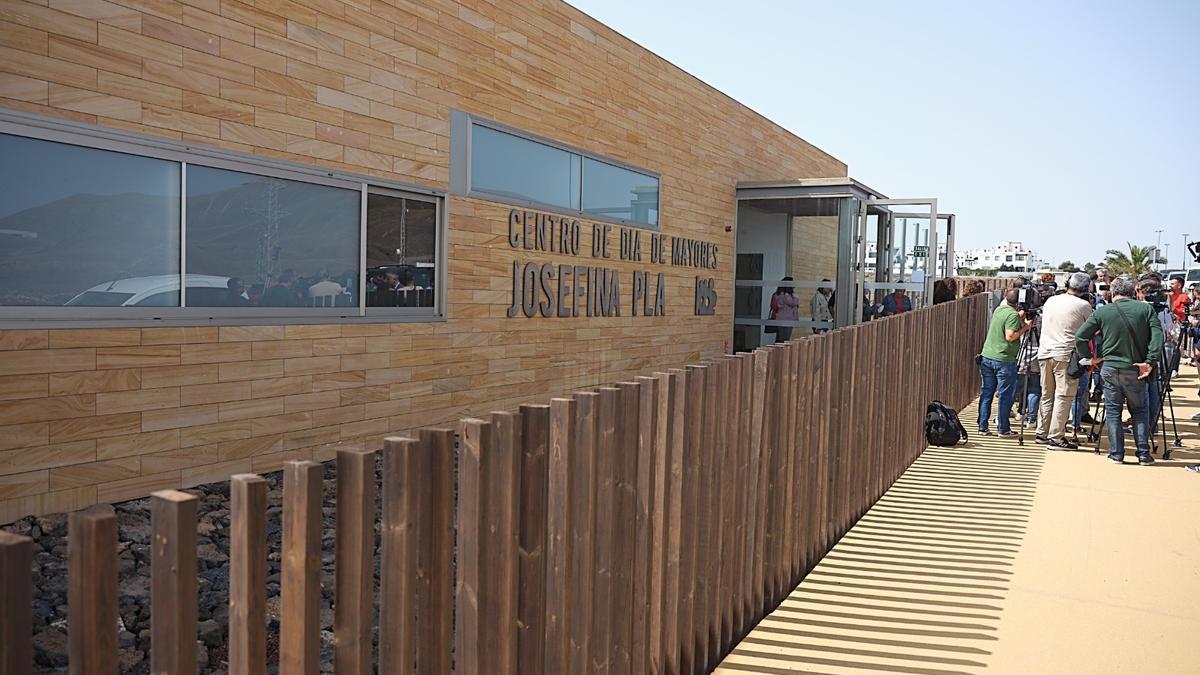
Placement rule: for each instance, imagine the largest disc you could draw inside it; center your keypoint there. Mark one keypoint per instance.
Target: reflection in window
(270, 242)
(616, 192)
(76, 221)
(511, 166)
(401, 250)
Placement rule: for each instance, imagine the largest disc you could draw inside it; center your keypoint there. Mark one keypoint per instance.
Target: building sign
(920, 251)
(561, 290)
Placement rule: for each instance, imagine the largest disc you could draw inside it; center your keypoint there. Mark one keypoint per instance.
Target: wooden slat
(621, 619)
(498, 546)
(744, 535)
(92, 591)
(475, 443)
(563, 415)
(16, 604)
(676, 421)
(582, 505)
(247, 574)
(658, 507)
(398, 553)
(173, 582)
(354, 604)
(643, 586)
(531, 607)
(708, 556)
(688, 568)
(435, 557)
(755, 492)
(728, 486)
(604, 528)
(300, 584)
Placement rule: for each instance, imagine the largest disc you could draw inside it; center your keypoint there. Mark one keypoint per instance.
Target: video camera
(1030, 298)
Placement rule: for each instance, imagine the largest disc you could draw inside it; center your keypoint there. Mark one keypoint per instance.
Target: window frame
(39, 127)
(461, 127)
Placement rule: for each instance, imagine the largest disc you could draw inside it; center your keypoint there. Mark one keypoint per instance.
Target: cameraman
(1062, 315)
(1149, 288)
(1131, 341)
(998, 363)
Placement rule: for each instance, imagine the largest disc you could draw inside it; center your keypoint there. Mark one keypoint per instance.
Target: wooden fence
(643, 527)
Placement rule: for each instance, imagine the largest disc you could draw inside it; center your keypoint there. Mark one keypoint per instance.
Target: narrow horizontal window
(616, 192)
(508, 165)
(86, 227)
(269, 242)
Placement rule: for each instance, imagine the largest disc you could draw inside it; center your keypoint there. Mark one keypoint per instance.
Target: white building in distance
(1012, 253)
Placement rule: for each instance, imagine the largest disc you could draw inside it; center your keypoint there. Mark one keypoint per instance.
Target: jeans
(1122, 387)
(997, 377)
(783, 334)
(1080, 405)
(1031, 384)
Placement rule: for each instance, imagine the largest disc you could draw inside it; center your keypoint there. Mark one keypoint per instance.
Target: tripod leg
(1099, 419)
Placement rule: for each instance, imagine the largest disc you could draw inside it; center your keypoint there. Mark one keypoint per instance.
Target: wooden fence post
(354, 568)
(398, 555)
(689, 632)
(643, 487)
(563, 417)
(300, 590)
(92, 591)
(435, 560)
(581, 521)
(247, 574)
(672, 640)
(531, 538)
(16, 604)
(173, 582)
(656, 661)
(475, 442)
(606, 504)
(500, 503)
(623, 618)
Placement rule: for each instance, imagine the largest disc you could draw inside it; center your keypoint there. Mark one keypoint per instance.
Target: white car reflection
(157, 291)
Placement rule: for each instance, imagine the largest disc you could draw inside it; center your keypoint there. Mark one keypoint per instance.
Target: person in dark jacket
(1131, 340)
(945, 290)
(281, 294)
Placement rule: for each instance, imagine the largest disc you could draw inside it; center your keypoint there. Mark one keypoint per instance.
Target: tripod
(1025, 357)
(1163, 377)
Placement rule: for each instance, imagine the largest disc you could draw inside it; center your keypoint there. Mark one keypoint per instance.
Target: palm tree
(1139, 259)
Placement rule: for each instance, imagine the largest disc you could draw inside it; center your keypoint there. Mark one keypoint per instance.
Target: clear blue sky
(1071, 126)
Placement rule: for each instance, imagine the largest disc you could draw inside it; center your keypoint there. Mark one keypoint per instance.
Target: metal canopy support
(848, 263)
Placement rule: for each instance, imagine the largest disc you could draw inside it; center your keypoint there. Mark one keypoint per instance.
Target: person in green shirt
(1131, 340)
(998, 365)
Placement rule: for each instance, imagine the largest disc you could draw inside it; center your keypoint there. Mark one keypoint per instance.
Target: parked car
(157, 291)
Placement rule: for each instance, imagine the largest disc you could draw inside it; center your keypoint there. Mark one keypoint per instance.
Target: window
(501, 164)
(271, 242)
(102, 225)
(401, 251)
(76, 223)
(619, 193)
(510, 166)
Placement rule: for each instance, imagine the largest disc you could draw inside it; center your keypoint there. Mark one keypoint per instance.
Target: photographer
(1131, 341)
(998, 363)
(1062, 315)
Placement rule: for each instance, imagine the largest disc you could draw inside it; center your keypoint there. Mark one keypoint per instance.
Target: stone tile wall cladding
(97, 415)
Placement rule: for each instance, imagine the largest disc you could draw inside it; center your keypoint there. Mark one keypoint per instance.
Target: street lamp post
(1157, 251)
(1184, 252)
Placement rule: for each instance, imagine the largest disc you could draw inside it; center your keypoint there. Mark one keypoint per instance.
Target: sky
(1073, 127)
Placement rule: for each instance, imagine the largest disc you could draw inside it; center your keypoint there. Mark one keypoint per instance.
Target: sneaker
(1062, 444)
(986, 432)
(1007, 434)
(1146, 461)
(1086, 418)
(1040, 438)
(1194, 468)
(1116, 460)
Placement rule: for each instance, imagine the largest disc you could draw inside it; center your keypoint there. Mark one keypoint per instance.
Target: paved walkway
(1012, 559)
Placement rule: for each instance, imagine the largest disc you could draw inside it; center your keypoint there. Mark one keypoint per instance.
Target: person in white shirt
(325, 287)
(1062, 315)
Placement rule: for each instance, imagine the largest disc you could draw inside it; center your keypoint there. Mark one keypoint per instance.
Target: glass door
(907, 242)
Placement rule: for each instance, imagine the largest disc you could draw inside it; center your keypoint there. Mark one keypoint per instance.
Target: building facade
(382, 215)
(1011, 253)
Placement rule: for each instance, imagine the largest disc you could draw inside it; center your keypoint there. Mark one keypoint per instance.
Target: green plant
(1135, 261)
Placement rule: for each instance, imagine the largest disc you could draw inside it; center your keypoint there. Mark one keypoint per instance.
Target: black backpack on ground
(942, 427)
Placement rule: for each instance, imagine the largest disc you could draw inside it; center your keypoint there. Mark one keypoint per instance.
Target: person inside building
(1062, 315)
(235, 293)
(998, 364)
(325, 291)
(820, 306)
(1130, 344)
(282, 294)
(784, 308)
(896, 303)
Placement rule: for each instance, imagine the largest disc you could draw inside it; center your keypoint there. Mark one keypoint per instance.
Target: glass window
(511, 166)
(75, 222)
(270, 242)
(401, 251)
(617, 192)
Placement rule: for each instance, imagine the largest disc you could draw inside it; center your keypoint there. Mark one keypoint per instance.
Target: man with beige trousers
(1062, 315)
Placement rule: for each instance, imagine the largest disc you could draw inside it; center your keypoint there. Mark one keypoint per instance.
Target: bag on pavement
(942, 426)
